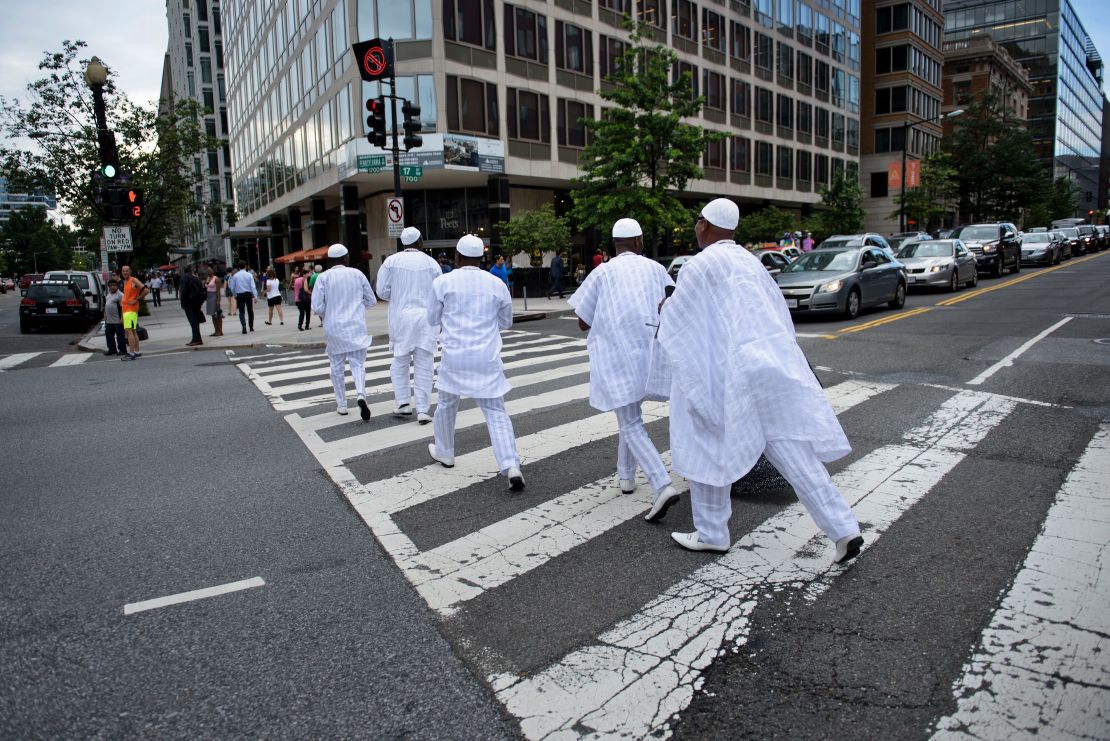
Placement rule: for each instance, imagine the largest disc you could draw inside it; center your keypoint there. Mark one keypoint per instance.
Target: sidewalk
(169, 330)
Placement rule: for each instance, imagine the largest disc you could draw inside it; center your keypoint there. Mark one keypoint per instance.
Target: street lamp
(905, 143)
(96, 75)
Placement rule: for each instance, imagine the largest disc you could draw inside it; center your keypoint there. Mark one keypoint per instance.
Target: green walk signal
(108, 171)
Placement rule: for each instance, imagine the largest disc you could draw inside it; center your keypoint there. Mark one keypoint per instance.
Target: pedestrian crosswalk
(29, 360)
(596, 661)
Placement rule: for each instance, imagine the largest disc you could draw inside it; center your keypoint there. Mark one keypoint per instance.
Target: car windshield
(1037, 237)
(1070, 233)
(978, 232)
(45, 293)
(842, 242)
(832, 261)
(926, 249)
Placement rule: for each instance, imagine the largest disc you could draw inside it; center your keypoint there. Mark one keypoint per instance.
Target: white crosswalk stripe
(11, 361)
(631, 678)
(70, 359)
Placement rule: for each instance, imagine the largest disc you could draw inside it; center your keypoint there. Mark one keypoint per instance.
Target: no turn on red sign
(395, 216)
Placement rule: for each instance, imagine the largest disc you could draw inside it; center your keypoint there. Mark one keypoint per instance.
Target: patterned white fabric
(711, 508)
(634, 446)
(620, 301)
(740, 380)
(471, 307)
(405, 281)
(341, 297)
(422, 377)
(815, 489)
(356, 361)
(500, 428)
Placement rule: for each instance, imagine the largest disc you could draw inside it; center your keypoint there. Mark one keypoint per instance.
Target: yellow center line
(886, 320)
(957, 299)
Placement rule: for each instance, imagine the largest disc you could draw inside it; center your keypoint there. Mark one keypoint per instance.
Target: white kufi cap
(410, 235)
(626, 229)
(722, 213)
(337, 251)
(470, 246)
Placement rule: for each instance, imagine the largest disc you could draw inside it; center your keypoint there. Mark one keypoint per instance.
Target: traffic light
(411, 115)
(108, 171)
(134, 203)
(376, 121)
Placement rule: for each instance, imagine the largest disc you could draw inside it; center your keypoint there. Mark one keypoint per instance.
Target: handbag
(142, 333)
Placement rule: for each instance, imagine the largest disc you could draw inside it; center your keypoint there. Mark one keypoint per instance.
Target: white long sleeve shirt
(472, 307)
(739, 377)
(341, 297)
(405, 281)
(620, 301)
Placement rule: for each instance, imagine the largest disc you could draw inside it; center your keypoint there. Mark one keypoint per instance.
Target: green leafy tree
(156, 148)
(766, 224)
(641, 153)
(33, 241)
(928, 203)
(530, 231)
(841, 200)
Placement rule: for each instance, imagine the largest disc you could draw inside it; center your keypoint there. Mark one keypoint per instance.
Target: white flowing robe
(341, 297)
(472, 307)
(620, 301)
(739, 378)
(405, 281)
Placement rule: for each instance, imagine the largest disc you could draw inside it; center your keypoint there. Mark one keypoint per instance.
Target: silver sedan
(939, 263)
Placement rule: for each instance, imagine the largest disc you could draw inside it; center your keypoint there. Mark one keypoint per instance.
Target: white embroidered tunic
(405, 281)
(341, 296)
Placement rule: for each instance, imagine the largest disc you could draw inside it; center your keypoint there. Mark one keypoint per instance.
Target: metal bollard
(525, 287)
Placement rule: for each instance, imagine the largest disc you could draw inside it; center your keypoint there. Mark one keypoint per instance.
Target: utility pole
(393, 113)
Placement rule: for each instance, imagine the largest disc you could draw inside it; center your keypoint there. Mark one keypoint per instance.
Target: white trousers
(500, 428)
(634, 446)
(356, 359)
(797, 463)
(422, 379)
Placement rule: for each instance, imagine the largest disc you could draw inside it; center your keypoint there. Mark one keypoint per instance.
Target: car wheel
(1017, 264)
(974, 278)
(954, 283)
(851, 308)
(899, 299)
(996, 271)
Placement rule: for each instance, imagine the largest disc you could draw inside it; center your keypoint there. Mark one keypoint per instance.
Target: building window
(804, 164)
(471, 106)
(205, 71)
(741, 98)
(821, 76)
(838, 129)
(740, 45)
(805, 118)
(878, 185)
(892, 18)
(713, 88)
(202, 40)
(784, 14)
(891, 99)
(764, 52)
(684, 21)
(470, 22)
(821, 169)
(764, 105)
(785, 164)
(785, 59)
(573, 49)
(189, 55)
(571, 130)
(803, 22)
(624, 7)
(763, 155)
(202, 10)
(804, 64)
(714, 155)
(740, 154)
(822, 120)
(785, 112)
(853, 133)
(713, 30)
(188, 23)
(528, 115)
(680, 68)
(892, 59)
(761, 11)
(609, 55)
(209, 100)
(525, 34)
(652, 12)
(890, 140)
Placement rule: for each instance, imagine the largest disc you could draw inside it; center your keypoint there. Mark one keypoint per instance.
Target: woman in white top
(273, 297)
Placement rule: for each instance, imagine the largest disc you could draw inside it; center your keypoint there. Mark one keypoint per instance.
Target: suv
(1090, 237)
(996, 246)
(90, 285)
(52, 302)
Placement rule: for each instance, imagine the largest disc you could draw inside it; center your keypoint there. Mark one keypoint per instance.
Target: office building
(9, 201)
(902, 63)
(979, 66)
(501, 88)
(1065, 71)
(194, 68)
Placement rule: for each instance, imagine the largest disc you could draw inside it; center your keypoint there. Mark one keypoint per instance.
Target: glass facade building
(1065, 70)
(502, 87)
(9, 202)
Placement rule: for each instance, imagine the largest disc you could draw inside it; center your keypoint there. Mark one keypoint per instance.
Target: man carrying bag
(192, 297)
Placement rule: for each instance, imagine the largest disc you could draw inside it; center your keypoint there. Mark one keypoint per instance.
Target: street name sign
(117, 238)
(371, 162)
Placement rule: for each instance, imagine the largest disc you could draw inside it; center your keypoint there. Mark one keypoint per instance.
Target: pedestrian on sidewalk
(213, 287)
(273, 297)
(340, 298)
(618, 304)
(302, 298)
(472, 307)
(405, 281)
(156, 284)
(242, 286)
(502, 270)
(133, 292)
(741, 387)
(175, 281)
(192, 297)
(113, 320)
(227, 291)
(557, 272)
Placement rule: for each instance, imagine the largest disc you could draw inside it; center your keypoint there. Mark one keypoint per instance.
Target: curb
(518, 318)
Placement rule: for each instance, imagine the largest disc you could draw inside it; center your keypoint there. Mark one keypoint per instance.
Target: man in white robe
(741, 387)
(405, 281)
(618, 304)
(471, 307)
(340, 298)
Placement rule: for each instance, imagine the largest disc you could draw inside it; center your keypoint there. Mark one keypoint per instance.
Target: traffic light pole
(393, 111)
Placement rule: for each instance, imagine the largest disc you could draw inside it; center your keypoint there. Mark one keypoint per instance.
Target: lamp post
(905, 143)
(96, 75)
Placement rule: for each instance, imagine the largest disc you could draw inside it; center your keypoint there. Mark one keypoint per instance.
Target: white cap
(722, 213)
(336, 251)
(470, 246)
(627, 228)
(318, 269)
(410, 235)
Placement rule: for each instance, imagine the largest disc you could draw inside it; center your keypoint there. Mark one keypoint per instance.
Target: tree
(766, 224)
(928, 203)
(640, 152)
(841, 199)
(157, 149)
(34, 241)
(530, 231)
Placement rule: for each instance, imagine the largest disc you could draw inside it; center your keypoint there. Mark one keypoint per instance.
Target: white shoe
(516, 478)
(627, 485)
(848, 548)
(342, 411)
(445, 461)
(405, 410)
(423, 418)
(662, 502)
(691, 542)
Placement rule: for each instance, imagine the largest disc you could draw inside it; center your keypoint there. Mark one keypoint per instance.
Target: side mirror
(868, 264)
(89, 293)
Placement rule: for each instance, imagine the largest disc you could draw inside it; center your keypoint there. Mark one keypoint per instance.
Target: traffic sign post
(117, 239)
(395, 216)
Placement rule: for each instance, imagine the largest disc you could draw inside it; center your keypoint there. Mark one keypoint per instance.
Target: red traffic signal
(375, 122)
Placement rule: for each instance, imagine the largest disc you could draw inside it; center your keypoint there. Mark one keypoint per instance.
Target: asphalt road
(60, 338)
(218, 487)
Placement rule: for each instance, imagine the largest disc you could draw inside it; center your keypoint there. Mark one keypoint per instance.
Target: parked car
(1042, 248)
(774, 260)
(996, 246)
(869, 239)
(6, 284)
(938, 263)
(1104, 235)
(790, 253)
(28, 279)
(676, 265)
(89, 283)
(896, 240)
(52, 302)
(1065, 243)
(1075, 244)
(1089, 236)
(843, 280)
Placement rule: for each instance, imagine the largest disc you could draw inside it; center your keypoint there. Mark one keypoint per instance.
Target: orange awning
(314, 255)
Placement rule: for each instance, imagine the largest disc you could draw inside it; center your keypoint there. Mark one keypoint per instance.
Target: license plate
(792, 303)
(51, 311)
(918, 280)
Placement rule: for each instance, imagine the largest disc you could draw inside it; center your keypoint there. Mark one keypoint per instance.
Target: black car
(1090, 238)
(996, 247)
(52, 302)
